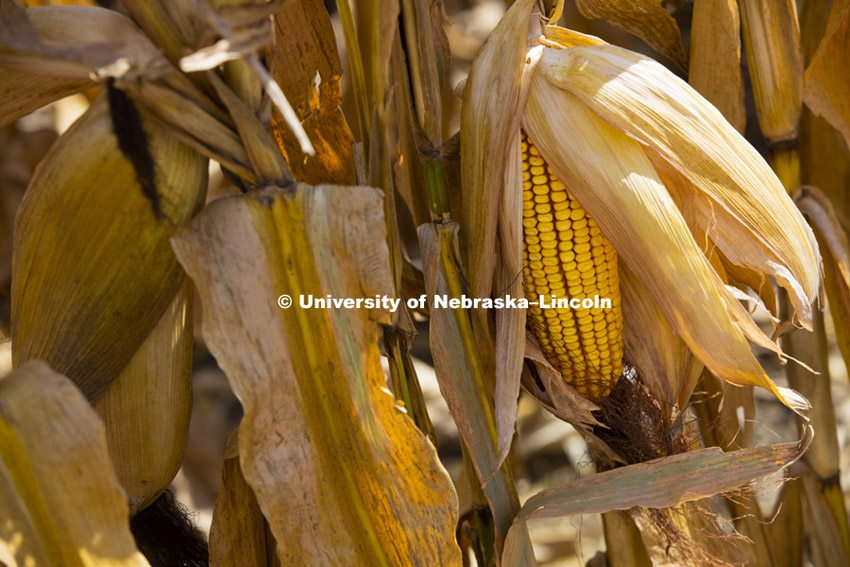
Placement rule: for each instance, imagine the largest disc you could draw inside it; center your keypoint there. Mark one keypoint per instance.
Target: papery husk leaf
(562, 400)
(193, 125)
(93, 270)
(510, 323)
(836, 254)
(239, 534)
(826, 76)
(305, 63)
(662, 359)
(146, 409)
(455, 374)
(757, 224)
(52, 52)
(489, 124)
(715, 63)
(646, 19)
(61, 502)
(614, 181)
(772, 39)
(310, 380)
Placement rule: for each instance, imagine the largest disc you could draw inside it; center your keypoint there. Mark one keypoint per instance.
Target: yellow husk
(614, 180)
(147, 407)
(93, 270)
(749, 215)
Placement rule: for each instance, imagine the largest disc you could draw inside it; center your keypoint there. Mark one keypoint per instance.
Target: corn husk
(93, 271)
(146, 409)
(615, 182)
(48, 53)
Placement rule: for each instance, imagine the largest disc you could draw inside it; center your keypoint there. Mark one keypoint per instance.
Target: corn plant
(600, 239)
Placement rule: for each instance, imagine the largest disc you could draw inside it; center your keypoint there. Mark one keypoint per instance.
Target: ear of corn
(566, 256)
(93, 270)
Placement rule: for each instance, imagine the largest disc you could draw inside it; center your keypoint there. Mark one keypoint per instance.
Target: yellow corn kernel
(566, 255)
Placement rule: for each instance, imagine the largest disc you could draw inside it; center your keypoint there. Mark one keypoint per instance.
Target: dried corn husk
(146, 409)
(93, 271)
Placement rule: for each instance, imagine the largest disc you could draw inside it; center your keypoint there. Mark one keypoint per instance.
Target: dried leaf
(310, 380)
(88, 239)
(265, 160)
(715, 63)
(61, 502)
(646, 19)
(59, 50)
(662, 483)
(826, 76)
(455, 373)
(665, 482)
(836, 254)
(305, 63)
(510, 322)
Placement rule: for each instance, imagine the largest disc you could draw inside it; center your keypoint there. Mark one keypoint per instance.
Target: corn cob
(566, 256)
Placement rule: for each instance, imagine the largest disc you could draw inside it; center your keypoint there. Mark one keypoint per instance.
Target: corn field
(389, 283)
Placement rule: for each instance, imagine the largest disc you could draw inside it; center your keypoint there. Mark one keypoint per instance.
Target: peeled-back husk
(613, 179)
(759, 228)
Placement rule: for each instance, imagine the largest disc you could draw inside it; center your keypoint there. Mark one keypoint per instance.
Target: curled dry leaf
(818, 208)
(310, 380)
(61, 502)
(646, 19)
(456, 374)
